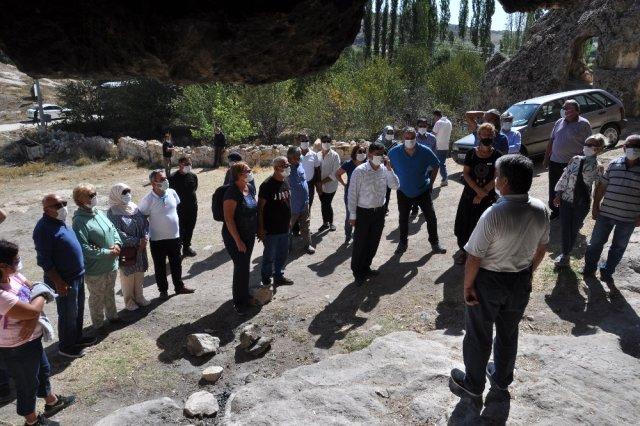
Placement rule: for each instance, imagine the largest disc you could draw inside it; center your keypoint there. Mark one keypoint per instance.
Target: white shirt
(368, 187)
(442, 130)
(163, 215)
(509, 232)
(309, 163)
(328, 168)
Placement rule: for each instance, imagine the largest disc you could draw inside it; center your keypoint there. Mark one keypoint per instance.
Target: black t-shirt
(277, 209)
(185, 186)
(219, 140)
(483, 170)
(165, 149)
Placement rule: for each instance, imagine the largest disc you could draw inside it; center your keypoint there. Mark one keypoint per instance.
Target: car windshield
(522, 113)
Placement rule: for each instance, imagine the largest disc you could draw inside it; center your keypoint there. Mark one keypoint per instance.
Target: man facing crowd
(366, 199)
(299, 197)
(504, 250)
(442, 130)
(185, 183)
(475, 118)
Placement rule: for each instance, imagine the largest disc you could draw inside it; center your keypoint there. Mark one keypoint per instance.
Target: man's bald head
(51, 203)
(50, 199)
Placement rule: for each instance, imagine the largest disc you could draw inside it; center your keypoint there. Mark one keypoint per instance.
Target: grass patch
(122, 366)
(356, 341)
(37, 168)
(83, 161)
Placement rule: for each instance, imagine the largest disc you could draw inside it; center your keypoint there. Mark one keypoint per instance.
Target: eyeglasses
(126, 191)
(93, 195)
(57, 206)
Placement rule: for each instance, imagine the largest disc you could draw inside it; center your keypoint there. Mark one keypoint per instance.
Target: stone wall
(202, 156)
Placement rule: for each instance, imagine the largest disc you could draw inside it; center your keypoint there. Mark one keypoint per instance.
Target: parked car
(53, 111)
(534, 119)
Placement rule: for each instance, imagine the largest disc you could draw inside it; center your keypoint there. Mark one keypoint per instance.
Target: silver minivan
(534, 119)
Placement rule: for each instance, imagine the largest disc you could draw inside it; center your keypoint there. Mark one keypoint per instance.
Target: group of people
(502, 234)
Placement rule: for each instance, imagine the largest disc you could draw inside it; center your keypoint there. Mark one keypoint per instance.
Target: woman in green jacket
(101, 245)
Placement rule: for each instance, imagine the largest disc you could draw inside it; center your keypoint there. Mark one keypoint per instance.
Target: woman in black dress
(479, 193)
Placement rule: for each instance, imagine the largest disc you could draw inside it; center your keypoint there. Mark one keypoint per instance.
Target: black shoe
(164, 295)
(402, 247)
(62, 403)
(554, 215)
(606, 278)
(491, 368)
(437, 248)
(185, 290)
(282, 281)
(73, 352)
(413, 215)
(310, 249)
(188, 252)
(359, 281)
(347, 239)
(86, 341)
(332, 227)
(241, 310)
(456, 385)
(372, 273)
(324, 227)
(588, 273)
(41, 420)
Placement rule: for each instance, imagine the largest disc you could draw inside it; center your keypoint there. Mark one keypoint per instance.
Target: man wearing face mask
(411, 162)
(616, 207)
(492, 116)
(442, 129)
(167, 152)
(330, 163)
(566, 141)
(161, 207)
(185, 183)
(299, 197)
(366, 198)
(59, 254)
(424, 137)
(274, 215)
(387, 139)
(101, 245)
(513, 136)
(311, 164)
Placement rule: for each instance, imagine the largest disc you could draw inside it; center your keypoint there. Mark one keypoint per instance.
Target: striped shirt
(622, 195)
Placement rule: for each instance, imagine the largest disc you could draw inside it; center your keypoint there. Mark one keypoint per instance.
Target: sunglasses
(59, 205)
(126, 191)
(93, 195)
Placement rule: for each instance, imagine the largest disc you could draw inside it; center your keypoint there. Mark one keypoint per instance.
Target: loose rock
(250, 334)
(157, 411)
(262, 296)
(259, 347)
(199, 344)
(201, 404)
(212, 374)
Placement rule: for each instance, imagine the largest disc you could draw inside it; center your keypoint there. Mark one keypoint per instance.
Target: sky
(497, 23)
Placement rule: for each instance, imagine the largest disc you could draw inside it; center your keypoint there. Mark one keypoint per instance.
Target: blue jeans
(442, 155)
(274, 257)
(30, 369)
(71, 314)
(621, 235)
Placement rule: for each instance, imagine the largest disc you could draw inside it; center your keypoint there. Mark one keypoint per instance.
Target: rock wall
(202, 156)
(550, 60)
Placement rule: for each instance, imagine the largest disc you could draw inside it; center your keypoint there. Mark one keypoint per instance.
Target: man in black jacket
(219, 144)
(185, 183)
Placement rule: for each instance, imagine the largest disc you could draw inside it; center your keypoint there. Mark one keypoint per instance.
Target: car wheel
(611, 132)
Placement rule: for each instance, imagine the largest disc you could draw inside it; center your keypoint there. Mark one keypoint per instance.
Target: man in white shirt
(311, 165)
(442, 129)
(160, 207)
(329, 165)
(366, 198)
(504, 250)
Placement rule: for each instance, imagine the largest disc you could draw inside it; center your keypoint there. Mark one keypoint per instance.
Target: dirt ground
(323, 313)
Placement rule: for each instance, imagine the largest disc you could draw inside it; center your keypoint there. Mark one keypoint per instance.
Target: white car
(53, 111)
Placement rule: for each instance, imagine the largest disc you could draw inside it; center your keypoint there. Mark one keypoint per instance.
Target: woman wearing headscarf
(133, 228)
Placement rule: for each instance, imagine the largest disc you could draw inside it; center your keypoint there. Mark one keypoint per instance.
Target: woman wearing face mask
(329, 165)
(133, 229)
(573, 193)
(358, 156)
(101, 245)
(479, 192)
(21, 352)
(239, 231)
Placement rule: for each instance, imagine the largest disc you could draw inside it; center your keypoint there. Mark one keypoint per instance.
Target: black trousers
(187, 217)
(241, 267)
(160, 251)
(325, 206)
(217, 159)
(503, 297)
(426, 205)
(386, 201)
(366, 239)
(312, 192)
(555, 172)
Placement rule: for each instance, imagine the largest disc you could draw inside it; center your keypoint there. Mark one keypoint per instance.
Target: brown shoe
(185, 290)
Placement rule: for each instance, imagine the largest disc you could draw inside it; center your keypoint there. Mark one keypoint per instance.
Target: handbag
(128, 256)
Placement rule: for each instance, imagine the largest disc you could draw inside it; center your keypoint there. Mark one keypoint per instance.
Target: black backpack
(217, 201)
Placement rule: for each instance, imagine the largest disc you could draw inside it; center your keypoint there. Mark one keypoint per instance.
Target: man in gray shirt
(504, 250)
(567, 140)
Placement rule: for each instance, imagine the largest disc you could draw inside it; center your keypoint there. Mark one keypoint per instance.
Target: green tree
(366, 29)
(404, 23)
(463, 18)
(376, 30)
(445, 16)
(488, 9)
(82, 97)
(384, 31)
(271, 108)
(455, 82)
(393, 22)
(474, 28)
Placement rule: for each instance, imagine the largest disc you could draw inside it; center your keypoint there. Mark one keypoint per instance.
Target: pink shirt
(16, 290)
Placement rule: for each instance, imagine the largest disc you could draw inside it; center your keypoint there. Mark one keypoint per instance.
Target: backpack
(217, 201)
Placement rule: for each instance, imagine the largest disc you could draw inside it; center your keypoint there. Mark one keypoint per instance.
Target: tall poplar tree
(384, 30)
(463, 17)
(366, 29)
(393, 22)
(445, 16)
(474, 28)
(376, 29)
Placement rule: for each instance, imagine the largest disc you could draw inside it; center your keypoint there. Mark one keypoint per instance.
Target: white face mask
(326, 146)
(506, 125)
(563, 113)
(164, 185)
(422, 130)
(19, 267)
(304, 145)
(250, 177)
(409, 143)
(126, 198)
(93, 203)
(588, 151)
(286, 172)
(361, 157)
(632, 154)
(376, 160)
(388, 137)
(62, 213)
(186, 169)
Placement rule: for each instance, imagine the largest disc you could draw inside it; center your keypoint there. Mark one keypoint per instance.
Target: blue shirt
(349, 167)
(412, 170)
(515, 140)
(500, 142)
(299, 190)
(428, 140)
(58, 247)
